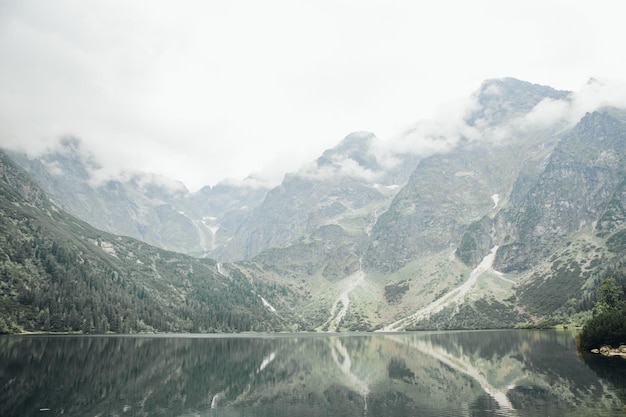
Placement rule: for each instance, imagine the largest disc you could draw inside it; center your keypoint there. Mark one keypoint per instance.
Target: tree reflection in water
(505, 373)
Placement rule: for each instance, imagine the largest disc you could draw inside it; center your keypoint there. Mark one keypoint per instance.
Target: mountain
(515, 222)
(447, 191)
(510, 215)
(501, 100)
(156, 210)
(347, 186)
(60, 274)
(571, 194)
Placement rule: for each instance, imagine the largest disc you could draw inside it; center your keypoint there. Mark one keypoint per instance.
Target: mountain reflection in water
(482, 373)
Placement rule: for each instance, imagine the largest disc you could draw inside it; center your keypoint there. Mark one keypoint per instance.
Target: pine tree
(608, 324)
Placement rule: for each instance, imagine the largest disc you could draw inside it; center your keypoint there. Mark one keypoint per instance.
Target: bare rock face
(580, 180)
(346, 186)
(502, 99)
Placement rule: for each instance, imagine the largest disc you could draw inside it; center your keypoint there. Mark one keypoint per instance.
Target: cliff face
(450, 190)
(580, 182)
(347, 186)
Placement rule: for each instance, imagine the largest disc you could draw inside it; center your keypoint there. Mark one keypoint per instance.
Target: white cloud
(146, 181)
(201, 91)
(439, 134)
(248, 182)
(592, 96)
(344, 167)
(547, 112)
(444, 131)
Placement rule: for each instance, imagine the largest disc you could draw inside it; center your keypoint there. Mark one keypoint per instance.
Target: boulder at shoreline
(610, 351)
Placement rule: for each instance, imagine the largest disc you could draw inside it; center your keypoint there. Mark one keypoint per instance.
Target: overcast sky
(205, 90)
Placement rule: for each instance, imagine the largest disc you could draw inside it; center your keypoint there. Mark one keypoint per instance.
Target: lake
(465, 373)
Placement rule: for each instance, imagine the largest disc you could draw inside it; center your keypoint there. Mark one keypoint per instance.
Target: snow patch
(268, 305)
(337, 314)
(496, 199)
(389, 187)
(454, 296)
(211, 223)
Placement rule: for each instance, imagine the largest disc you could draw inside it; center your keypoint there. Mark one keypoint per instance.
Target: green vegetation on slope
(608, 324)
(59, 274)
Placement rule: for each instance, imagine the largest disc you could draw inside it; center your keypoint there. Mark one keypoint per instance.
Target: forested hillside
(60, 274)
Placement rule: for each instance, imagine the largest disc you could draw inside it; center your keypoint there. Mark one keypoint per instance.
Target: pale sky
(200, 91)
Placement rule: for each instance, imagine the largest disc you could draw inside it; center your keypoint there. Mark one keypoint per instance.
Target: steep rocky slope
(571, 194)
(346, 186)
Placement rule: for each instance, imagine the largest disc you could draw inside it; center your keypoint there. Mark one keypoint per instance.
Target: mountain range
(510, 215)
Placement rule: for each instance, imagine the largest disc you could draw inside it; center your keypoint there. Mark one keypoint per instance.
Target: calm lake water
(490, 373)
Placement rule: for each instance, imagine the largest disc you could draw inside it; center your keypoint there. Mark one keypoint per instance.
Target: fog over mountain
(163, 212)
(203, 91)
(509, 212)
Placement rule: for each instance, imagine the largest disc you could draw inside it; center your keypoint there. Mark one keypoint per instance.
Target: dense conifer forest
(58, 274)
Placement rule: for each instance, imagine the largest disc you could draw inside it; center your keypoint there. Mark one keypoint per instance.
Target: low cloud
(439, 134)
(546, 113)
(251, 181)
(151, 180)
(592, 96)
(84, 163)
(446, 131)
(340, 167)
(71, 148)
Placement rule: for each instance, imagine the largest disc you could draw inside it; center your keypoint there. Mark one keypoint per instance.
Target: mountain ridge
(353, 231)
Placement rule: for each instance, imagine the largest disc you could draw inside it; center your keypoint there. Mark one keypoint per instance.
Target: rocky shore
(610, 351)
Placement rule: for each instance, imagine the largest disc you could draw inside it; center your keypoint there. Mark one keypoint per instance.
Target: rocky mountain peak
(69, 157)
(355, 146)
(502, 99)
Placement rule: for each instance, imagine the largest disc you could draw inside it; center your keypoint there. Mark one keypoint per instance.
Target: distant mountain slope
(561, 230)
(156, 210)
(346, 186)
(449, 190)
(501, 100)
(60, 274)
(572, 193)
